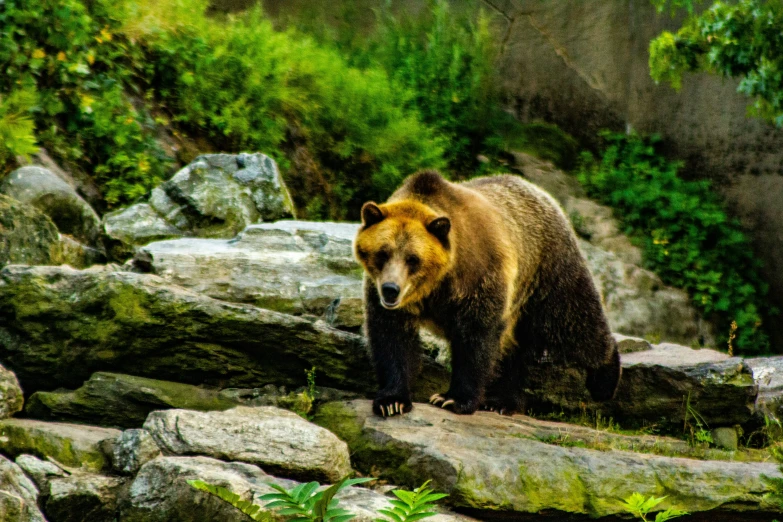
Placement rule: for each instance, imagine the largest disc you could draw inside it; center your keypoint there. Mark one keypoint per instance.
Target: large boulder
(27, 236)
(59, 325)
(113, 399)
(492, 463)
(80, 497)
(217, 195)
(289, 266)
(72, 445)
(278, 440)
(54, 197)
(160, 492)
(18, 495)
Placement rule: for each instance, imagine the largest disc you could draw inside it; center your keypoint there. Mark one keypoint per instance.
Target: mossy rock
(69, 444)
(124, 401)
(27, 236)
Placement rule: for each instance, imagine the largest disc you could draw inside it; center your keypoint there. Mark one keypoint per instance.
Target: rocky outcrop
(160, 492)
(69, 444)
(18, 495)
(167, 332)
(277, 440)
(54, 197)
(489, 462)
(11, 397)
(132, 450)
(217, 195)
(124, 401)
(81, 497)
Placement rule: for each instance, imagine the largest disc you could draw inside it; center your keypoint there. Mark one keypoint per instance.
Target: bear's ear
(371, 214)
(439, 227)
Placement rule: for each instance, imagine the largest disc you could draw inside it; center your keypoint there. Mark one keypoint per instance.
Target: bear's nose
(390, 292)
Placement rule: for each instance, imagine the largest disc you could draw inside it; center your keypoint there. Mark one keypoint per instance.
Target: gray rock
(160, 492)
(40, 471)
(117, 400)
(11, 396)
(54, 197)
(488, 462)
(656, 385)
(18, 495)
(136, 225)
(768, 374)
(71, 445)
(170, 333)
(27, 236)
(726, 438)
(83, 496)
(308, 270)
(276, 439)
(132, 450)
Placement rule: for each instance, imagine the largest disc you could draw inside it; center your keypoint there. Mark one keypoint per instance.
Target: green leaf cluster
(79, 66)
(639, 506)
(412, 505)
(740, 39)
(685, 234)
(254, 511)
(17, 130)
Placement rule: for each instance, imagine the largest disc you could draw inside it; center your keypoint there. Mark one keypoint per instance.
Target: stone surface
(217, 195)
(768, 374)
(53, 317)
(54, 197)
(71, 445)
(27, 236)
(40, 471)
(294, 267)
(11, 396)
(83, 497)
(655, 388)
(133, 449)
(18, 495)
(278, 440)
(726, 438)
(118, 400)
(160, 492)
(487, 461)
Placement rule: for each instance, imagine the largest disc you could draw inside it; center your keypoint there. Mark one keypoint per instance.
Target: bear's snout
(390, 294)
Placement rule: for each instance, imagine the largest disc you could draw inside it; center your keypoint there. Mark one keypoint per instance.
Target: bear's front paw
(390, 405)
(504, 406)
(463, 407)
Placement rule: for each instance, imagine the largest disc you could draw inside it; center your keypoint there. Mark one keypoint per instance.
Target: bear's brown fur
(493, 266)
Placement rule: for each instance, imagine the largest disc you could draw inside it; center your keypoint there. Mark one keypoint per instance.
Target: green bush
(245, 85)
(80, 68)
(685, 234)
(17, 133)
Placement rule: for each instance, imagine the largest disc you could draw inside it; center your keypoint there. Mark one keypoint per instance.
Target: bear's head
(405, 248)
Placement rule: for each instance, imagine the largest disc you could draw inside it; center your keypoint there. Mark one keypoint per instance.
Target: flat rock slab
(123, 401)
(278, 440)
(656, 388)
(59, 325)
(18, 494)
(69, 444)
(160, 492)
(487, 462)
(305, 270)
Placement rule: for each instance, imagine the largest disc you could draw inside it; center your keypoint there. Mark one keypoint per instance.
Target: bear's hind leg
(602, 381)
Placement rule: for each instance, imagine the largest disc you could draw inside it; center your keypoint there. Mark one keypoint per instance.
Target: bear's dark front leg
(475, 349)
(393, 337)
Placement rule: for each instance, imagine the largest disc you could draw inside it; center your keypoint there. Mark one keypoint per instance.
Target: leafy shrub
(245, 85)
(639, 506)
(734, 39)
(685, 234)
(80, 68)
(17, 136)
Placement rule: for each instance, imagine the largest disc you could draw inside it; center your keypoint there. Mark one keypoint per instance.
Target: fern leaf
(248, 508)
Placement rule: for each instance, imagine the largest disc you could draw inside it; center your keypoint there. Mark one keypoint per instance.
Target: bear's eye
(381, 258)
(413, 263)
(362, 253)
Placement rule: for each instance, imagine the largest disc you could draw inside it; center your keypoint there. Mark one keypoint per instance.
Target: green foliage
(17, 131)
(685, 234)
(739, 39)
(80, 68)
(640, 507)
(245, 85)
(245, 506)
(698, 430)
(412, 505)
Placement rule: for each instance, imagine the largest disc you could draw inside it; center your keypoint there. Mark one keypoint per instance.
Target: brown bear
(493, 266)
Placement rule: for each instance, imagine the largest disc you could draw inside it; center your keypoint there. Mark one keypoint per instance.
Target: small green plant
(639, 506)
(685, 234)
(700, 432)
(306, 503)
(412, 505)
